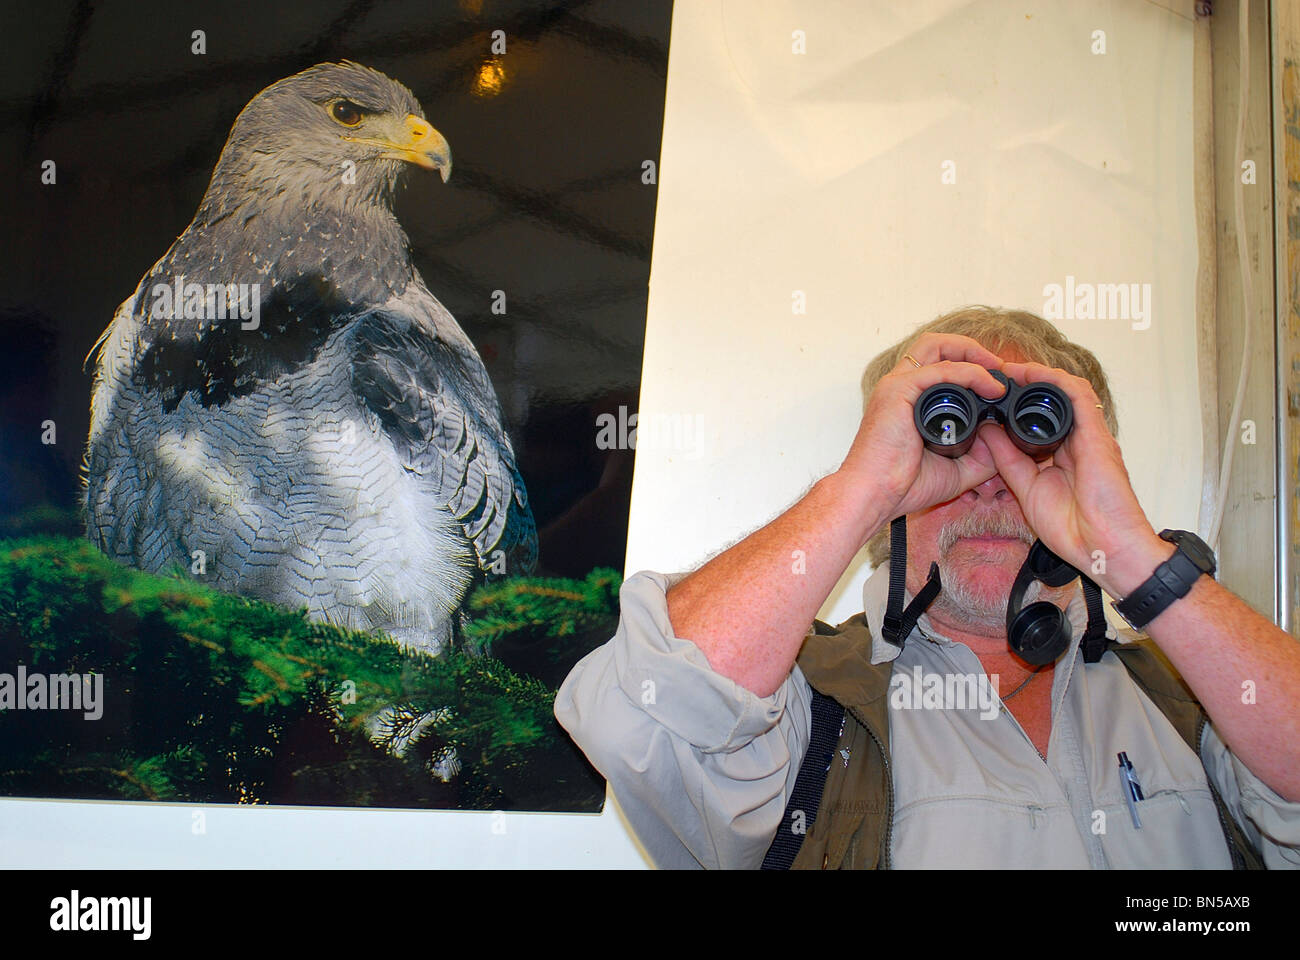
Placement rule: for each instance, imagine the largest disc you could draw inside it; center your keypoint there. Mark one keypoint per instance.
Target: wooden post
(1247, 548)
(1207, 267)
(1286, 189)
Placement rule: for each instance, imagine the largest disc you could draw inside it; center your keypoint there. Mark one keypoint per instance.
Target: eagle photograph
(299, 448)
(345, 451)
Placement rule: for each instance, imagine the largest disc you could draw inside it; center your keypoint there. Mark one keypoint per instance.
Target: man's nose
(991, 489)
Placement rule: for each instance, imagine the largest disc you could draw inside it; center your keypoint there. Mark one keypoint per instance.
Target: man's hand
(1080, 501)
(1242, 668)
(903, 474)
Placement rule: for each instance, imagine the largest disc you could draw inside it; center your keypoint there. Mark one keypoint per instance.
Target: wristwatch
(1170, 582)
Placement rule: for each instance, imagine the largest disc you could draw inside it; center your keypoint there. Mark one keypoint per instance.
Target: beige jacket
(703, 768)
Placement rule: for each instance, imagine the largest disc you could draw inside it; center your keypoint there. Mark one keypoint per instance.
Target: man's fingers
(1088, 415)
(963, 374)
(974, 468)
(1018, 469)
(930, 348)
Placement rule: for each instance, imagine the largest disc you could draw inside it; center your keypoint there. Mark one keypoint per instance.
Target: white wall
(821, 172)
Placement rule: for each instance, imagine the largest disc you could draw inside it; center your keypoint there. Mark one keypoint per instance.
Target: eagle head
(299, 213)
(333, 130)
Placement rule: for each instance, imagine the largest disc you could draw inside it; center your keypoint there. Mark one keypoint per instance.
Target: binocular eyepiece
(1037, 417)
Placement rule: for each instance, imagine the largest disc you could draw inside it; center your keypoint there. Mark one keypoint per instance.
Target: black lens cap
(1040, 633)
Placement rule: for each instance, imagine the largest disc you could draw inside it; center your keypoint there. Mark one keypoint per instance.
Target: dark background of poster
(545, 202)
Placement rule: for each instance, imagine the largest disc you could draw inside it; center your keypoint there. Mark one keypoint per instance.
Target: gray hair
(997, 329)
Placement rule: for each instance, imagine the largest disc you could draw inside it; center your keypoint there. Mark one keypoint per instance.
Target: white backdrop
(820, 172)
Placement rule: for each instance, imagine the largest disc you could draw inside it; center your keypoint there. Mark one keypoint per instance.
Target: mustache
(984, 525)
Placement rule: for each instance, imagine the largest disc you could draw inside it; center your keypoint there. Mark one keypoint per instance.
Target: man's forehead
(1011, 352)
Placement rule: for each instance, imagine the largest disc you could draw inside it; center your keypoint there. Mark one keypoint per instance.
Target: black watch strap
(1171, 581)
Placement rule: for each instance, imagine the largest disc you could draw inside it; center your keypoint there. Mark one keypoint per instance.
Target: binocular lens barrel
(1037, 417)
(946, 418)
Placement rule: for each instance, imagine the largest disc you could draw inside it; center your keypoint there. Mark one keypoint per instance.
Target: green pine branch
(213, 697)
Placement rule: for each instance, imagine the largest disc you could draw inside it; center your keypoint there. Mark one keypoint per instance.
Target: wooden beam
(1207, 268)
(1286, 196)
(1247, 540)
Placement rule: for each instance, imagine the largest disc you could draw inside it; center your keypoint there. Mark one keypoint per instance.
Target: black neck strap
(900, 622)
(1016, 599)
(1093, 644)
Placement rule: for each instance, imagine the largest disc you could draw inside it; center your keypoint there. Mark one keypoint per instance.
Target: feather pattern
(418, 373)
(345, 452)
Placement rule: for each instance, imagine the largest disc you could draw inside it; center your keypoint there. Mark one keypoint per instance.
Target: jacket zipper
(1177, 794)
(889, 783)
(1023, 732)
(1238, 861)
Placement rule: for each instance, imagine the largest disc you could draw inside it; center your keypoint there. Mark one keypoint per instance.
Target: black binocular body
(1037, 417)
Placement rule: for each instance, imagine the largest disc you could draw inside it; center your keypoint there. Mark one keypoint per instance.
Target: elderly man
(708, 711)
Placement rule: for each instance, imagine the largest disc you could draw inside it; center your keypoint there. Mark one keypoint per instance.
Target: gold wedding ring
(915, 362)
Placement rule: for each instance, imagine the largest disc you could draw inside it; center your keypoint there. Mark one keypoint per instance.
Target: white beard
(959, 601)
(961, 604)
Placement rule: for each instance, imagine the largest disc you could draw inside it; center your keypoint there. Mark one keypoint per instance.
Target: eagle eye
(346, 112)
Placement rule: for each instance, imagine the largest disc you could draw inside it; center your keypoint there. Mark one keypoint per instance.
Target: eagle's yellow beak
(415, 142)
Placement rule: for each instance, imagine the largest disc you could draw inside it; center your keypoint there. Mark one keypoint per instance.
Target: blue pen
(1132, 789)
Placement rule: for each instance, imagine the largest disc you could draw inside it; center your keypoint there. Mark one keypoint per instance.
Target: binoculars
(1037, 417)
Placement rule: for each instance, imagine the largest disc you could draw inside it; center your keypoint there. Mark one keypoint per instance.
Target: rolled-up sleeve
(1272, 823)
(701, 766)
